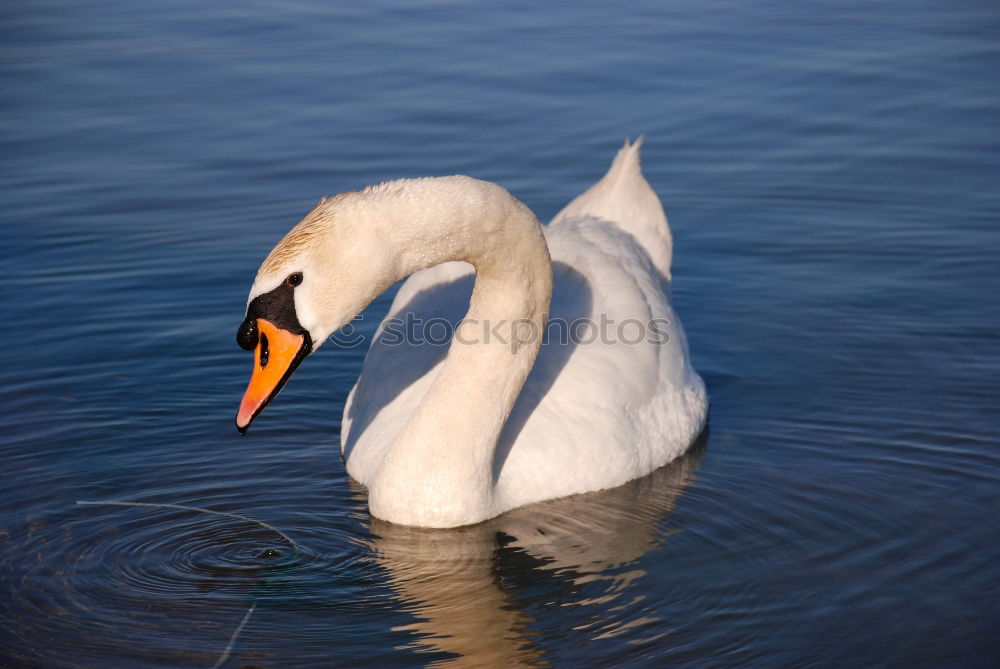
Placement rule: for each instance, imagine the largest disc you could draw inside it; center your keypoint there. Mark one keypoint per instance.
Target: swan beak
(277, 353)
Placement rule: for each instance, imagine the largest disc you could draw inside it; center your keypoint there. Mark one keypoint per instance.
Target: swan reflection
(457, 582)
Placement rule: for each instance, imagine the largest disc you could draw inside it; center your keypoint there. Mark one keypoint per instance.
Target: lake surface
(831, 171)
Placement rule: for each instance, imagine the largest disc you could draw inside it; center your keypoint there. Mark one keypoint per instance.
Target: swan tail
(624, 197)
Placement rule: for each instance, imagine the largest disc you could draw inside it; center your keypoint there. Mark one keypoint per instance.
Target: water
(830, 171)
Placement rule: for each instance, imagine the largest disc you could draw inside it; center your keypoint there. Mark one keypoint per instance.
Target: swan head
(324, 272)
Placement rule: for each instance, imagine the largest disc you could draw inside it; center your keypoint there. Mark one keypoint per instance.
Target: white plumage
(590, 415)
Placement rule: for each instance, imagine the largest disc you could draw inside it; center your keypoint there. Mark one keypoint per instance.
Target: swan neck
(439, 470)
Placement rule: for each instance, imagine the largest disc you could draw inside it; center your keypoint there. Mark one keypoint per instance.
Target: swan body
(565, 370)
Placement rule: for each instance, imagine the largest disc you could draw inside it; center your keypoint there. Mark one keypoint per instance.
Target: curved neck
(438, 471)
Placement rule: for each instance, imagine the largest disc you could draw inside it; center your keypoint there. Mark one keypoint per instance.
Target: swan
(566, 370)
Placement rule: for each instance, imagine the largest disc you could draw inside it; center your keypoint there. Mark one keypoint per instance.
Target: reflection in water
(452, 580)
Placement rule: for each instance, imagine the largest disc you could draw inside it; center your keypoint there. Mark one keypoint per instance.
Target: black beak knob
(247, 335)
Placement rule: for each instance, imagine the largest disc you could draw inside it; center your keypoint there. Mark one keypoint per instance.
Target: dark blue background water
(830, 170)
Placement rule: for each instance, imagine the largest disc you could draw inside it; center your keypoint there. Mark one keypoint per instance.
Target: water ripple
(164, 563)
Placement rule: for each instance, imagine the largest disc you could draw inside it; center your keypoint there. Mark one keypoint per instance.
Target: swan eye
(294, 279)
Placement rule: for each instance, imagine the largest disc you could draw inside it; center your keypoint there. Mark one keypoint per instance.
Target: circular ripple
(177, 552)
(116, 580)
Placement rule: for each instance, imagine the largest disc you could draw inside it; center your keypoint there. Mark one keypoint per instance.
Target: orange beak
(277, 354)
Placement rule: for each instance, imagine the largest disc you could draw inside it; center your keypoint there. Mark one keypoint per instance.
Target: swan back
(624, 197)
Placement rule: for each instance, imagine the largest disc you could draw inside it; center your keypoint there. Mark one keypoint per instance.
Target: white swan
(451, 435)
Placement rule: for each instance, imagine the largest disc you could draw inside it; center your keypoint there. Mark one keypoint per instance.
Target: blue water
(831, 171)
